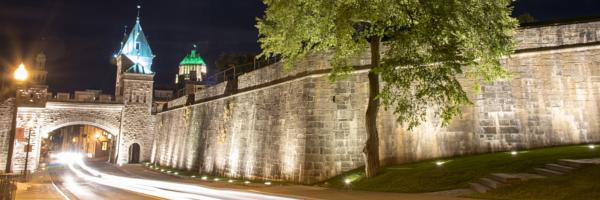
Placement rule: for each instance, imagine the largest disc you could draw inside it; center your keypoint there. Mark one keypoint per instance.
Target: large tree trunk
(371, 150)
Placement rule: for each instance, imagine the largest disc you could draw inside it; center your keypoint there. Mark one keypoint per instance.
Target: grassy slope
(457, 172)
(582, 184)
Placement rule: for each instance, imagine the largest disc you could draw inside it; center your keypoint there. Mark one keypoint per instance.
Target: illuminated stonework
(127, 116)
(307, 129)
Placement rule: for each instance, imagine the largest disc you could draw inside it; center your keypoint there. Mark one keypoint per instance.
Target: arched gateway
(40, 121)
(127, 115)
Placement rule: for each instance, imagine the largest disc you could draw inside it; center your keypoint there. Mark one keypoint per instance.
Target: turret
(191, 74)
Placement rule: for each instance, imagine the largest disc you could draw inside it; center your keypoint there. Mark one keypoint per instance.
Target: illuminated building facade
(191, 74)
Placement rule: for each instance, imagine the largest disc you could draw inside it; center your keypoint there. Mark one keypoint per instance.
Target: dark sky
(79, 36)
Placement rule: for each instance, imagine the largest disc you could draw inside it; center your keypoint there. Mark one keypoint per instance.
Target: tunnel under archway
(90, 141)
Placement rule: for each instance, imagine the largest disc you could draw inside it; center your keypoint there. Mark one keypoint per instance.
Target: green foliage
(227, 60)
(526, 18)
(427, 45)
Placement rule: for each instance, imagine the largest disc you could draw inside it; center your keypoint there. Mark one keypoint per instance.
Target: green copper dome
(192, 59)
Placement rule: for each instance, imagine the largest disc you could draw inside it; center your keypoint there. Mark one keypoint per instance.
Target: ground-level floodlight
(347, 181)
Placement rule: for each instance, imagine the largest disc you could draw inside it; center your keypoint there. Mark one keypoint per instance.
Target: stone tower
(134, 86)
(192, 71)
(35, 93)
(39, 71)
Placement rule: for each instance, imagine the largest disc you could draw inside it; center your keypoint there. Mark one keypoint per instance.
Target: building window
(104, 146)
(137, 46)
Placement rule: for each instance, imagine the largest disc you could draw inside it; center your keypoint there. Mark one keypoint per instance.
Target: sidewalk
(294, 191)
(39, 187)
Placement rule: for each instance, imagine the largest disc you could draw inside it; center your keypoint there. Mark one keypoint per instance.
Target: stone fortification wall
(298, 126)
(6, 111)
(558, 35)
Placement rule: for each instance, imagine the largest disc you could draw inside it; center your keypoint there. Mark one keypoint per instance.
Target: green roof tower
(191, 68)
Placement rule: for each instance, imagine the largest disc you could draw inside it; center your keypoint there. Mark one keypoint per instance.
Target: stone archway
(41, 121)
(96, 140)
(114, 130)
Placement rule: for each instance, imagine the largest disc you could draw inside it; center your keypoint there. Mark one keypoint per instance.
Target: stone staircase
(497, 180)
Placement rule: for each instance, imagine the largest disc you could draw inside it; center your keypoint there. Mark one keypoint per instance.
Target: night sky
(79, 37)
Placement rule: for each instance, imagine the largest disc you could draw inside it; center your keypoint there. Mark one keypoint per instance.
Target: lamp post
(20, 76)
(27, 149)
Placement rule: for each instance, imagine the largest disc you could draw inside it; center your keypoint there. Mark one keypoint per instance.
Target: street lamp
(20, 75)
(27, 149)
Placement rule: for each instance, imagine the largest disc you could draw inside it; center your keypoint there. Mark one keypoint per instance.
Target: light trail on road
(162, 189)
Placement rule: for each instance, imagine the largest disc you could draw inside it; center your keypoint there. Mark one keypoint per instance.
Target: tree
(427, 44)
(227, 60)
(526, 18)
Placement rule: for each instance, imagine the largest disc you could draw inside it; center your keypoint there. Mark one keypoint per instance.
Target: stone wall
(298, 126)
(558, 35)
(6, 111)
(137, 122)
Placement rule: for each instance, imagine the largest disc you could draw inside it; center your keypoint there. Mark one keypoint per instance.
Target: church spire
(137, 50)
(138, 13)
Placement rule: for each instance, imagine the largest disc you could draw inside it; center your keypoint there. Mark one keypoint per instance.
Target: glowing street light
(21, 73)
(514, 153)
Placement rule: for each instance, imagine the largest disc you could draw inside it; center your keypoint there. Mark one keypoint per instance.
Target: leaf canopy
(427, 45)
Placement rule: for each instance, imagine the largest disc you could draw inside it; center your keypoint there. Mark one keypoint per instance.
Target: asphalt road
(100, 180)
(78, 179)
(75, 187)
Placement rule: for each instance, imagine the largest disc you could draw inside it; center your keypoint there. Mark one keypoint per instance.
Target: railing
(233, 72)
(8, 188)
(73, 100)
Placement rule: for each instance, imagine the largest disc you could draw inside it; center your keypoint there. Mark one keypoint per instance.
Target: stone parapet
(555, 35)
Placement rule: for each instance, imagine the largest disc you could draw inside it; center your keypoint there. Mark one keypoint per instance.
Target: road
(78, 180)
(100, 180)
(76, 187)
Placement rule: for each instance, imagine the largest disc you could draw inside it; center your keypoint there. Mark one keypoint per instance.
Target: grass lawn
(456, 172)
(582, 184)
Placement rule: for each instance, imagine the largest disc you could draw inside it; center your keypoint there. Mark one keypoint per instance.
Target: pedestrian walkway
(293, 191)
(39, 186)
